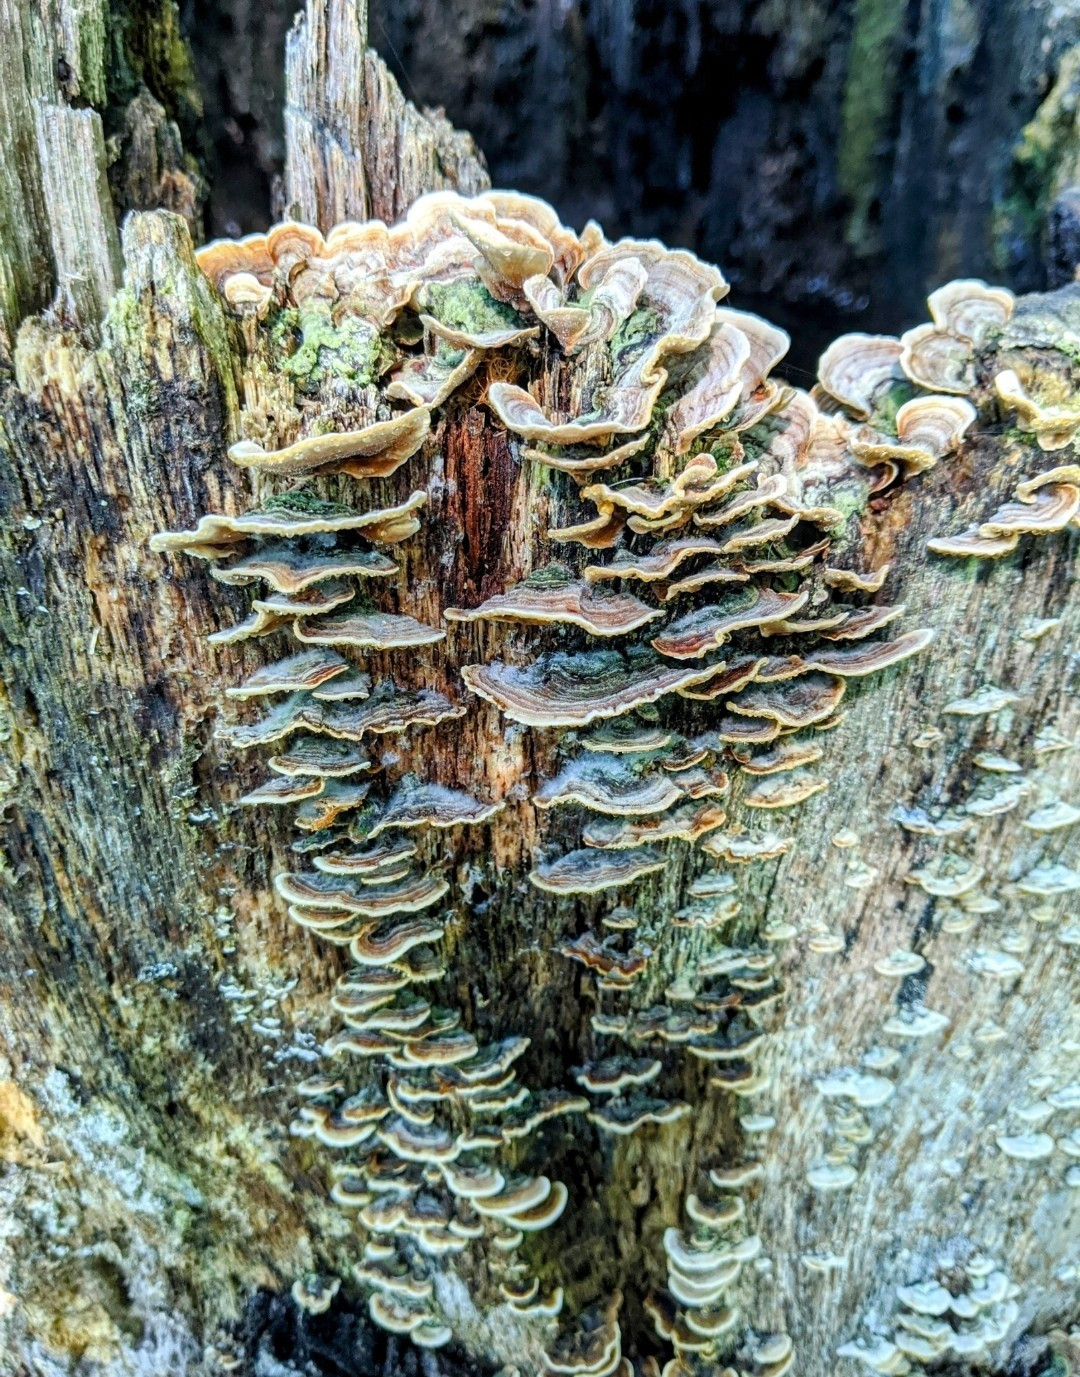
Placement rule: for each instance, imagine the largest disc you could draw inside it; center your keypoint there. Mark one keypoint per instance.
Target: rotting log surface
(147, 1174)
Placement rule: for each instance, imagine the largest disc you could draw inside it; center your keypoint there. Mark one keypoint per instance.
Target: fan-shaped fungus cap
(430, 379)
(868, 657)
(374, 451)
(969, 308)
(791, 702)
(688, 823)
(613, 1074)
(368, 630)
(747, 846)
(948, 877)
(389, 709)
(565, 690)
(784, 792)
(989, 698)
(856, 369)
(660, 563)
(280, 790)
(785, 755)
(396, 1314)
(733, 675)
(707, 628)
(863, 621)
(700, 482)
(610, 302)
(290, 568)
(1053, 426)
(610, 784)
(713, 385)
(937, 359)
(221, 258)
(1045, 509)
(973, 544)
(927, 428)
(1061, 473)
(319, 890)
(585, 459)
(623, 1115)
(628, 409)
(593, 1348)
(849, 581)
(516, 1196)
(603, 957)
(385, 942)
(626, 736)
(306, 670)
(309, 602)
(478, 339)
(555, 596)
(337, 796)
(680, 288)
(769, 489)
(344, 688)
(288, 514)
(315, 1294)
(418, 804)
(592, 872)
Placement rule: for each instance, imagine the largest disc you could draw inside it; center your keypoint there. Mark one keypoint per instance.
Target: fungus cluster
(694, 1314)
(962, 1316)
(682, 635)
(1045, 504)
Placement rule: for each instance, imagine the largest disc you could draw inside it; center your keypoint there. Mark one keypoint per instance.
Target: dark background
(838, 160)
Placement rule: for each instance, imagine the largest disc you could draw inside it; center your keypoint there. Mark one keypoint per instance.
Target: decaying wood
(158, 1008)
(355, 148)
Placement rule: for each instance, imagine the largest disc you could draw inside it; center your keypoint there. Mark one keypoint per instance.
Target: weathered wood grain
(156, 1005)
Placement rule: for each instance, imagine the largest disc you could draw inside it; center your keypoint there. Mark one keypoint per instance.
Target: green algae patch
(324, 349)
(468, 305)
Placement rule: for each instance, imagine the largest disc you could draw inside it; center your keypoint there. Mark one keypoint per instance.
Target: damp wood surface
(158, 1007)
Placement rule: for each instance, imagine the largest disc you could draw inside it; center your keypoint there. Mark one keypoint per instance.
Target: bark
(158, 1007)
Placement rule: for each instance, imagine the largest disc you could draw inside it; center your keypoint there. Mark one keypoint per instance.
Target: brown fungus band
(682, 625)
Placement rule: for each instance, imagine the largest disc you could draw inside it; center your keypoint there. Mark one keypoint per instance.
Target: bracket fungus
(699, 499)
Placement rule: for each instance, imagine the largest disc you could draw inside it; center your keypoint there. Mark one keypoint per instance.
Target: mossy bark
(157, 1006)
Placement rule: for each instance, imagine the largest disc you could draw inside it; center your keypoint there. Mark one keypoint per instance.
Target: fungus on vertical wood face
(374, 451)
(592, 872)
(856, 369)
(554, 596)
(613, 363)
(927, 429)
(288, 515)
(1052, 423)
(572, 690)
(289, 568)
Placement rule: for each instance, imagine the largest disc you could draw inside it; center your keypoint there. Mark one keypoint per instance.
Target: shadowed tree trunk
(883, 1004)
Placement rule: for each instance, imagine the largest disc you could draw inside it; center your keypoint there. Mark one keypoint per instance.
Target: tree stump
(878, 1099)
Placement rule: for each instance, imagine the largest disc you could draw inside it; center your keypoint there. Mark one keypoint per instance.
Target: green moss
(1048, 152)
(468, 305)
(849, 498)
(305, 502)
(141, 45)
(639, 327)
(1046, 159)
(322, 348)
(868, 102)
(884, 417)
(161, 267)
(550, 576)
(727, 452)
